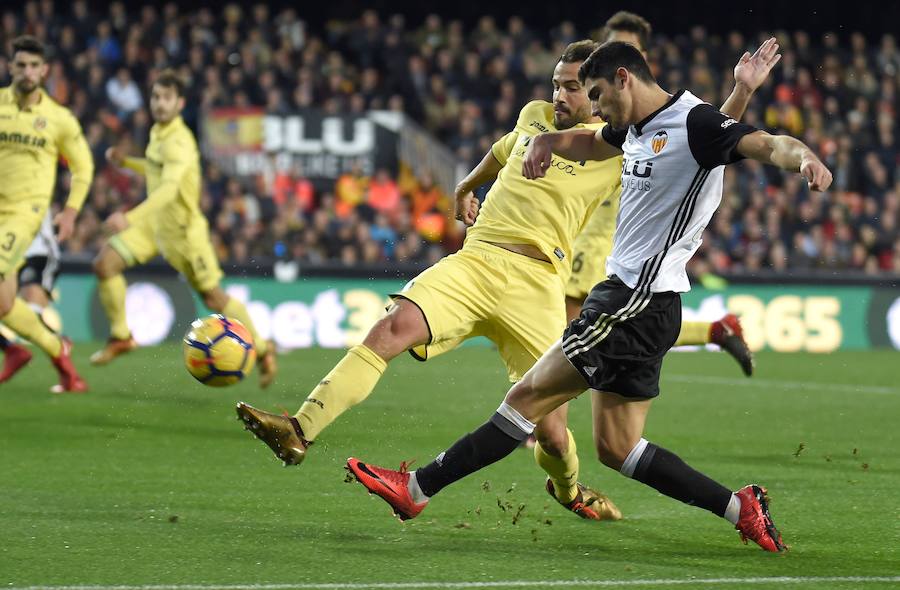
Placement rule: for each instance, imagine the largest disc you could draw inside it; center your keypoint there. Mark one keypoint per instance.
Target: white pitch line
(494, 584)
(778, 384)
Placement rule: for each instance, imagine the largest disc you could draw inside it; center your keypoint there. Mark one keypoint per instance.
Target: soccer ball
(218, 351)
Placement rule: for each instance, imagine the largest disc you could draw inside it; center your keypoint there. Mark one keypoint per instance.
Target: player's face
(609, 100)
(165, 103)
(570, 102)
(28, 71)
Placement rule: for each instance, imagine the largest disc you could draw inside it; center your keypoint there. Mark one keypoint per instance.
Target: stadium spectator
(465, 85)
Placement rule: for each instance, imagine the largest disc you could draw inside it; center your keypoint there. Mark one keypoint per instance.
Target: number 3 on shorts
(9, 240)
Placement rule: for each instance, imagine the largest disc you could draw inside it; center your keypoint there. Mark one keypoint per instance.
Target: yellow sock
(349, 383)
(563, 471)
(112, 297)
(23, 321)
(693, 333)
(237, 310)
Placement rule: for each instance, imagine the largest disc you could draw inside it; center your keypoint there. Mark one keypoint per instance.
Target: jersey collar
(168, 129)
(639, 127)
(10, 95)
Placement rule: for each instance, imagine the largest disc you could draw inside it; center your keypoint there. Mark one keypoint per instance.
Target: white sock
(415, 491)
(733, 512)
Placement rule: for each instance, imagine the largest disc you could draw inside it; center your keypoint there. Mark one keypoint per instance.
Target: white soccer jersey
(671, 185)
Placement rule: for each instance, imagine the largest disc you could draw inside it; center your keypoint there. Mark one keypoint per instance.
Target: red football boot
(69, 379)
(755, 521)
(389, 484)
(15, 357)
(729, 335)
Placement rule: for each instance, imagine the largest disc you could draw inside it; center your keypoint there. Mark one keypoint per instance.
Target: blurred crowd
(465, 83)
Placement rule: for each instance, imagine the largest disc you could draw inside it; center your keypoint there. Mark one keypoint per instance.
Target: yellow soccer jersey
(548, 212)
(31, 141)
(172, 167)
(592, 246)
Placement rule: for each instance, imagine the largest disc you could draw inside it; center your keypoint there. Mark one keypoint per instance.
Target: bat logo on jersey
(659, 141)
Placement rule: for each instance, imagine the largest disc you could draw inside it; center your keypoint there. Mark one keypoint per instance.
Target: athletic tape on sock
(511, 422)
(631, 461)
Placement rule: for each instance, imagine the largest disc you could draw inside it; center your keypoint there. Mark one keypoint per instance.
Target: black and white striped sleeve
(713, 136)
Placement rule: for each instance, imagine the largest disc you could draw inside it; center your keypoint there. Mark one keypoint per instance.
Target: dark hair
(578, 51)
(168, 78)
(609, 57)
(629, 22)
(29, 44)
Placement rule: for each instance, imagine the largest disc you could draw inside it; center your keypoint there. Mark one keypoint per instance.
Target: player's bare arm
(466, 201)
(574, 144)
(749, 74)
(788, 154)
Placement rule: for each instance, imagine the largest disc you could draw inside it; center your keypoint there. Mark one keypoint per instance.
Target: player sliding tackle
(630, 321)
(507, 283)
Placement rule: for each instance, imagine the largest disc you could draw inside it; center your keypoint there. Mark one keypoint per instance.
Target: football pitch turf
(149, 480)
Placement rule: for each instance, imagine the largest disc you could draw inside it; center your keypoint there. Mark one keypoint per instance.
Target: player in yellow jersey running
(594, 243)
(507, 283)
(34, 132)
(168, 222)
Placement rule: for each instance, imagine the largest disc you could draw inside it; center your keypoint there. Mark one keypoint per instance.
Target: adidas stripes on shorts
(619, 340)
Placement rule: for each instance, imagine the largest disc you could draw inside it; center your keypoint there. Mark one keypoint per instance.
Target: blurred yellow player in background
(168, 222)
(34, 132)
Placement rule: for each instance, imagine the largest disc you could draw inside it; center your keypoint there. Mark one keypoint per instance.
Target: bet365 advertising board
(336, 313)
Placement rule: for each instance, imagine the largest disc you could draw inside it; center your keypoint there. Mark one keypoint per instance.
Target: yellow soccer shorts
(484, 290)
(589, 254)
(20, 222)
(189, 250)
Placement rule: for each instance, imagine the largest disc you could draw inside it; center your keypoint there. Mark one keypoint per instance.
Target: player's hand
(115, 156)
(116, 222)
(65, 223)
(467, 207)
(537, 158)
(752, 70)
(817, 175)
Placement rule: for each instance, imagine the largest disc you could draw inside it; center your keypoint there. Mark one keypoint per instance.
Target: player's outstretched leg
(551, 382)
(15, 357)
(349, 383)
(726, 333)
(218, 301)
(619, 422)
(556, 453)
(25, 322)
(112, 288)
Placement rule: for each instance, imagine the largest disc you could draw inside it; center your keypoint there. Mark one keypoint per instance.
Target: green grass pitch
(150, 480)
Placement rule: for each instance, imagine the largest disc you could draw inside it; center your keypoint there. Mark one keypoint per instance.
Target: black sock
(665, 472)
(4, 342)
(495, 439)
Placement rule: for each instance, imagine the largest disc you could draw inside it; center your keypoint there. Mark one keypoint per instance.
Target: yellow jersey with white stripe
(172, 168)
(31, 141)
(547, 212)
